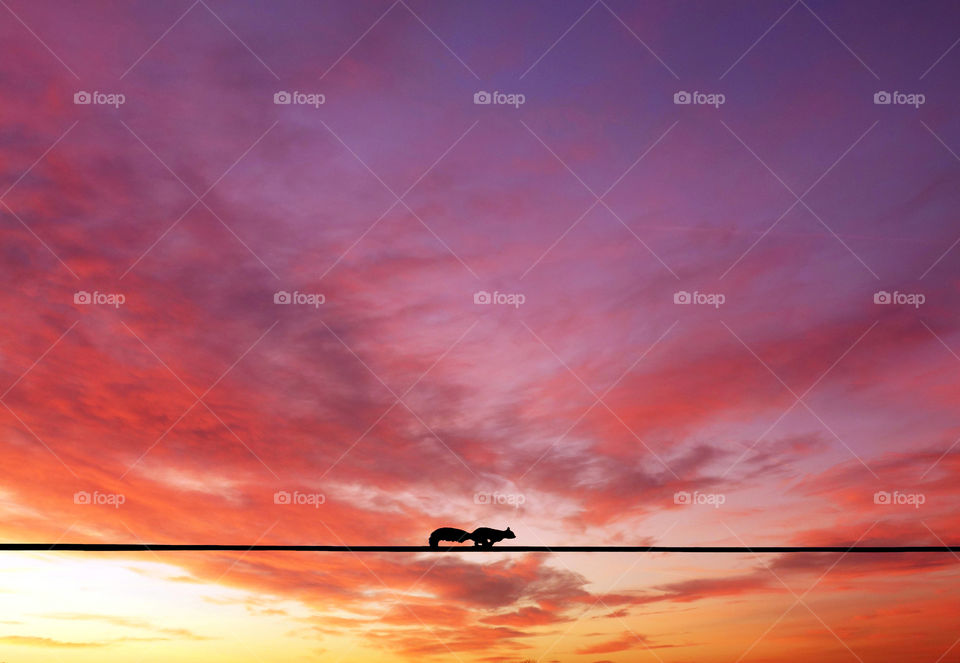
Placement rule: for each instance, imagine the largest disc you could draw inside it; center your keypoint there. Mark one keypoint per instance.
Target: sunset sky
(586, 310)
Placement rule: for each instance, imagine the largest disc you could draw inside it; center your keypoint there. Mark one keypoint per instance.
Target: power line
(175, 547)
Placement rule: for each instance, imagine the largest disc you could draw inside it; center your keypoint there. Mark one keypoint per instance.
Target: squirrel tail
(433, 541)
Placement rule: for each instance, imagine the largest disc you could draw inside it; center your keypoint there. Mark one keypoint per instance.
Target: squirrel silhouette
(486, 536)
(483, 537)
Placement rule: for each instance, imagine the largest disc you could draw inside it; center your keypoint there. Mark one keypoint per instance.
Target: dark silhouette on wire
(483, 537)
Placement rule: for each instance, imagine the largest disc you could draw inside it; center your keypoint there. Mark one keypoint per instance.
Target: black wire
(159, 547)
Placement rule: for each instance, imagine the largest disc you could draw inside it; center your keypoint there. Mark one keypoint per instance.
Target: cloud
(33, 641)
(625, 642)
(127, 622)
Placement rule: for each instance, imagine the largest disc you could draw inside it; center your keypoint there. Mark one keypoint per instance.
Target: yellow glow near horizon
(89, 609)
